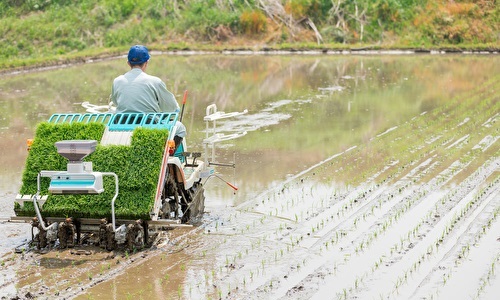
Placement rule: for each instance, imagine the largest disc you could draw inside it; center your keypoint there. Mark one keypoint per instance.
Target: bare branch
(319, 38)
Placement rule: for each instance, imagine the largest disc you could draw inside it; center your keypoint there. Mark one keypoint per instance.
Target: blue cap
(137, 55)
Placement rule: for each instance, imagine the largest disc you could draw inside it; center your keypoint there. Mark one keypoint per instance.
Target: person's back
(138, 92)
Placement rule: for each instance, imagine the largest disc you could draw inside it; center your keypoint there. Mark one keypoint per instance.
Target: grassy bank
(47, 32)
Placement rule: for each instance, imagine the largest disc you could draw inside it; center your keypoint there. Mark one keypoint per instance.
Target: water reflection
(302, 109)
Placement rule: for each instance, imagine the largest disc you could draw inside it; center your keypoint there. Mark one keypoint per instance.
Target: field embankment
(39, 32)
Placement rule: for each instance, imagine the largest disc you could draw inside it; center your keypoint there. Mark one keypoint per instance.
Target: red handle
(184, 99)
(232, 186)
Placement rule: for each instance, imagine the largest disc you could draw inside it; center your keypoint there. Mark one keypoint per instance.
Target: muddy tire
(196, 201)
(176, 200)
(170, 199)
(135, 236)
(198, 205)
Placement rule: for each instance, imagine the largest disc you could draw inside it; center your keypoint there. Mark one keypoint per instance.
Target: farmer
(137, 91)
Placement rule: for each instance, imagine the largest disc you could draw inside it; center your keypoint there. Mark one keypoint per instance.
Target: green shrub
(137, 167)
(46, 31)
(253, 22)
(202, 17)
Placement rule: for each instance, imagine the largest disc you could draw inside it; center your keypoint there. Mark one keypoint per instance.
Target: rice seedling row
(396, 221)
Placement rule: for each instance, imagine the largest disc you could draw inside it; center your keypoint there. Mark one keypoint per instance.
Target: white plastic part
(99, 109)
(76, 183)
(52, 232)
(212, 115)
(121, 234)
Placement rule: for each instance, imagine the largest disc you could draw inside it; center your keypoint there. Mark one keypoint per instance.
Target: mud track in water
(412, 213)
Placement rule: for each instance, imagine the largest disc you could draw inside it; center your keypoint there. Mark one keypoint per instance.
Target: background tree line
(38, 30)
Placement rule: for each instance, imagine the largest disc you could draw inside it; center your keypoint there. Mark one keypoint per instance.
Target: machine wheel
(199, 199)
(196, 203)
(170, 198)
(191, 202)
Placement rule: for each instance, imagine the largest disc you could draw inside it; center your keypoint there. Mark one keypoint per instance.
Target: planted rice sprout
(362, 218)
(448, 229)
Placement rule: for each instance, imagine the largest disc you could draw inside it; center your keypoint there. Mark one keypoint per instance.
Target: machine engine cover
(76, 183)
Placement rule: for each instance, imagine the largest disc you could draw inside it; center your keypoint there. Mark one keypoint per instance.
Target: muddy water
(303, 110)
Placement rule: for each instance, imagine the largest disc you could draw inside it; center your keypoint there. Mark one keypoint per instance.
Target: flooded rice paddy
(360, 177)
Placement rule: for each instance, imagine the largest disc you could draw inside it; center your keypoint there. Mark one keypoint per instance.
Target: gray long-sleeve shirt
(136, 91)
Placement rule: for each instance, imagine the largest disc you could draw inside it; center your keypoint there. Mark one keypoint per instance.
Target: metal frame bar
(49, 174)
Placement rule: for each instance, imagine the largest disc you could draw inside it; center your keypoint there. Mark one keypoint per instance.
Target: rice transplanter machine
(178, 198)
